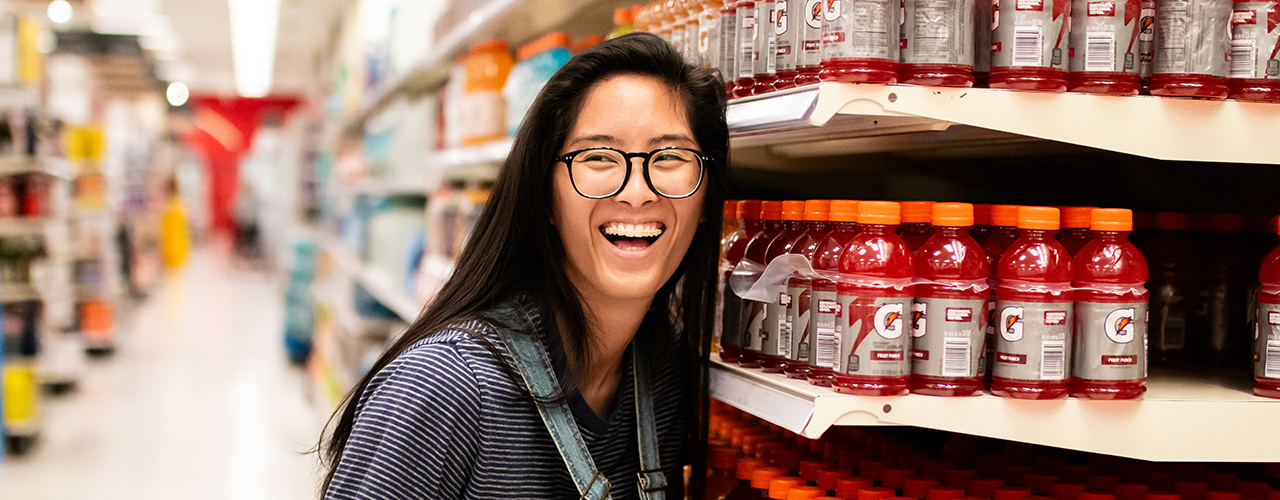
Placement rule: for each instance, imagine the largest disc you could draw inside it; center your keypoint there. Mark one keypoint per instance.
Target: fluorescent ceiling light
(60, 12)
(124, 7)
(254, 25)
(177, 93)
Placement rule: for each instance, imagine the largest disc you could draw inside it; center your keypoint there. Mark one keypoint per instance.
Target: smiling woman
(582, 303)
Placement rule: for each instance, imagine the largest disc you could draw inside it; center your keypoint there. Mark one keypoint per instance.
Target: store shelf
(18, 292)
(22, 226)
(474, 163)
(375, 281)
(1182, 418)
(389, 185)
(837, 118)
(515, 20)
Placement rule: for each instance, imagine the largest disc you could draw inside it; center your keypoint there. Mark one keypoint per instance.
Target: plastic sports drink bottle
(938, 43)
(875, 296)
(915, 228)
(733, 319)
(825, 313)
(1109, 358)
(1075, 228)
(1033, 311)
(1255, 51)
(679, 16)
(1104, 53)
(1172, 261)
(730, 225)
(729, 57)
(776, 330)
(981, 223)
(748, 25)
(708, 46)
(1004, 231)
(788, 45)
(765, 60)
(949, 314)
(860, 41)
(731, 222)
(1194, 41)
(1266, 336)
(1029, 45)
(753, 335)
(806, 20)
(816, 213)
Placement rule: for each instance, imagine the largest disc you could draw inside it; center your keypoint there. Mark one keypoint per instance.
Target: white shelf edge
(375, 281)
(1155, 127)
(1181, 420)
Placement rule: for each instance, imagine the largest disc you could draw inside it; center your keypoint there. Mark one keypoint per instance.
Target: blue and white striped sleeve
(416, 431)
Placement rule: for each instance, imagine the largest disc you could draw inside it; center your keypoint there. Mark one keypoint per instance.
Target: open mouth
(632, 237)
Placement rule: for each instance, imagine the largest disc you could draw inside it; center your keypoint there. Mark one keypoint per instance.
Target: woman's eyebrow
(669, 138)
(595, 138)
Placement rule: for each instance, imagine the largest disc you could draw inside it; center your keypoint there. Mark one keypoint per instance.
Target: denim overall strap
(532, 362)
(653, 483)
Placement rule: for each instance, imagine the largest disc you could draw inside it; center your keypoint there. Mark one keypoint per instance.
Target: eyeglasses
(603, 172)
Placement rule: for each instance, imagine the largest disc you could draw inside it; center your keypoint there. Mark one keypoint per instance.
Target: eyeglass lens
(675, 173)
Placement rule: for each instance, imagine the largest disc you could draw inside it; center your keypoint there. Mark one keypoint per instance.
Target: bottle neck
(1111, 236)
(877, 229)
(772, 225)
(951, 231)
(819, 225)
(844, 227)
(1036, 234)
(1010, 231)
(796, 225)
(753, 225)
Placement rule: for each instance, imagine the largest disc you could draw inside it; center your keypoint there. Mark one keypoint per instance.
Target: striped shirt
(444, 420)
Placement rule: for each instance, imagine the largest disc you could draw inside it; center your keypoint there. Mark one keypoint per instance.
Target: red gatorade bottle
(808, 16)
(1033, 311)
(776, 330)
(1029, 45)
(1109, 358)
(1255, 46)
(1003, 221)
(748, 25)
(915, 228)
(875, 297)
(938, 43)
(981, 223)
(825, 313)
(752, 341)
(765, 61)
(733, 315)
(949, 334)
(860, 42)
(1075, 228)
(1192, 60)
(1104, 53)
(816, 214)
(1266, 336)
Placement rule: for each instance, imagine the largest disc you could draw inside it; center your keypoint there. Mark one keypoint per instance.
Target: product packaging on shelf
(777, 329)
(1029, 48)
(1266, 334)
(754, 342)
(765, 60)
(860, 41)
(938, 42)
(1104, 54)
(748, 36)
(539, 61)
(825, 310)
(734, 320)
(1193, 38)
(799, 288)
(484, 111)
(1255, 51)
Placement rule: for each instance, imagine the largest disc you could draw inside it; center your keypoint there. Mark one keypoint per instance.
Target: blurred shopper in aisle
(585, 288)
(175, 244)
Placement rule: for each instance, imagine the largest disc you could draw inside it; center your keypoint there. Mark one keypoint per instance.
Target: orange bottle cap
(952, 214)
(749, 209)
(787, 458)
(917, 211)
(780, 486)
(586, 43)
(547, 42)
(1230, 223)
(636, 11)
(771, 210)
(730, 209)
(844, 210)
(494, 45)
(918, 487)
(1011, 493)
(945, 492)
(623, 15)
(793, 210)
(1171, 221)
(1076, 217)
(1005, 215)
(982, 214)
(1043, 218)
(762, 476)
(887, 213)
(805, 493)
(725, 457)
(848, 487)
(747, 467)
(817, 210)
(827, 477)
(875, 493)
(1111, 219)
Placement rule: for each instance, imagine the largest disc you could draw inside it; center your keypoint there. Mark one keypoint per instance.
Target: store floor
(199, 402)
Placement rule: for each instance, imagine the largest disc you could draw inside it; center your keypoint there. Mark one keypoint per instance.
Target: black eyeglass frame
(567, 159)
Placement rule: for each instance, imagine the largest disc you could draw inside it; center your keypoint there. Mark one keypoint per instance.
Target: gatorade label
(1110, 341)
(825, 318)
(775, 332)
(752, 336)
(1104, 36)
(948, 337)
(677, 37)
(861, 29)
(1146, 39)
(1266, 342)
(1192, 37)
(732, 318)
(1033, 340)
(1030, 34)
(746, 42)
(691, 43)
(765, 59)
(798, 319)
(938, 32)
(729, 46)
(982, 25)
(787, 37)
(1255, 40)
(877, 333)
(709, 46)
(807, 24)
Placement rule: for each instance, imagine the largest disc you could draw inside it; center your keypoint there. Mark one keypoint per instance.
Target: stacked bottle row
(1199, 48)
(753, 459)
(1031, 312)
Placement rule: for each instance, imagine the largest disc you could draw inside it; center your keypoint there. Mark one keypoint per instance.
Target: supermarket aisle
(198, 403)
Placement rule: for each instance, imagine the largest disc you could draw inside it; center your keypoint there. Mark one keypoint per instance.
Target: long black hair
(514, 248)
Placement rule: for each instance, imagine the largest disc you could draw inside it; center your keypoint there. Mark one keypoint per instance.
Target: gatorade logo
(1011, 323)
(813, 14)
(889, 321)
(1119, 326)
(780, 23)
(833, 10)
(917, 319)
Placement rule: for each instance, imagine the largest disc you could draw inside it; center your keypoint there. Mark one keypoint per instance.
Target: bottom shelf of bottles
(1183, 417)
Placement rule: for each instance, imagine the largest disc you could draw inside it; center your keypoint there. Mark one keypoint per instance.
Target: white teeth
(633, 230)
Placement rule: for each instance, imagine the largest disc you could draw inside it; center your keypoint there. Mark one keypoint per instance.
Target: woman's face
(610, 247)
